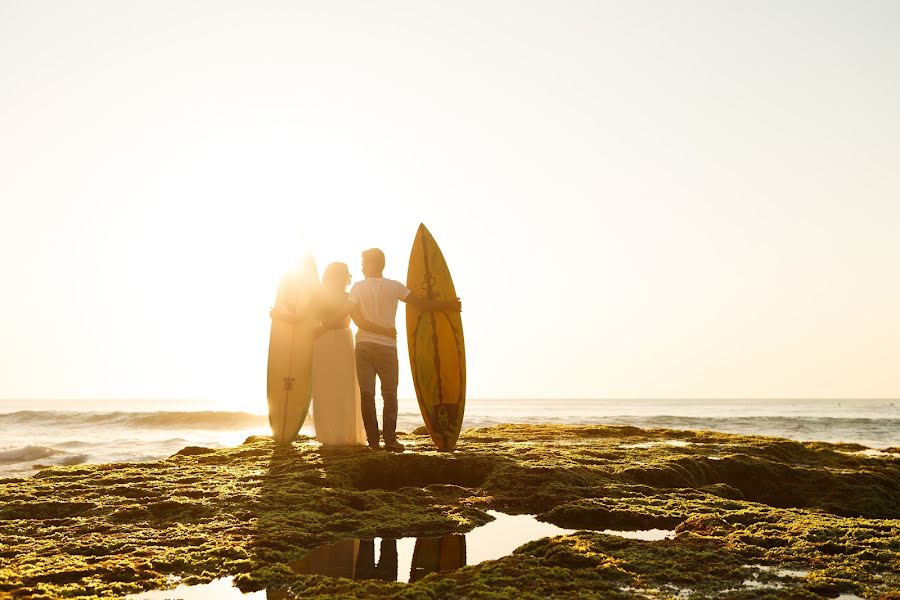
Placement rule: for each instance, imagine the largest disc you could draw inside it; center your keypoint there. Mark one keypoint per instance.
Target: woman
(335, 391)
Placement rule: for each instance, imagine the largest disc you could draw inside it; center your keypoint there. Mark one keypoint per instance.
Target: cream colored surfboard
(291, 351)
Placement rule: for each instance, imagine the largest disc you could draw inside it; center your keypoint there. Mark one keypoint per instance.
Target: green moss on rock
(743, 507)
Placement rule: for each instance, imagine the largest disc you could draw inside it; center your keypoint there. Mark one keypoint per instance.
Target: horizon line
(476, 398)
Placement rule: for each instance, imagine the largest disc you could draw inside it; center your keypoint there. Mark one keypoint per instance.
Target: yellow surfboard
(290, 352)
(438, 555)
(437, 351)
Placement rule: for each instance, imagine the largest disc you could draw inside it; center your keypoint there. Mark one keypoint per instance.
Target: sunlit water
(405, 559)
(31, 439)
(786, 579)
(220, 589)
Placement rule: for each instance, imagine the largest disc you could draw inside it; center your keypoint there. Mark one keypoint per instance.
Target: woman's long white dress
(336, 407)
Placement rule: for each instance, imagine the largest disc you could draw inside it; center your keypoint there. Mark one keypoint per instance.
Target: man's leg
(365, 374)
(387, 561)
(365, 560)
(388, 372)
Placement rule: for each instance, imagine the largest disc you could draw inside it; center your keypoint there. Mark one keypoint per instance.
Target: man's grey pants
(372, 360)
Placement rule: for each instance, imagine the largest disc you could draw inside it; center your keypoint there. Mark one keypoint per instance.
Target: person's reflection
(446, 553)
(355, 558)
(386, 569)
(334, 560)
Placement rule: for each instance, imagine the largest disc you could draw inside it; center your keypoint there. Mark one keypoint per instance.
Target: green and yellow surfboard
(437, 351)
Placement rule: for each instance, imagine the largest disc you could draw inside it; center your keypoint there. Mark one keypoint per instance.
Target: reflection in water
(334, 560)
(404, 559)
(386, 567)
(438, 555)
(356, 558)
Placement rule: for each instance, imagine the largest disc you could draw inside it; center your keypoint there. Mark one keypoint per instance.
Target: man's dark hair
(374, 258)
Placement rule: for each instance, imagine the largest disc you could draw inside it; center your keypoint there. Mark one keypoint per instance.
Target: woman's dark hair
(335, 275)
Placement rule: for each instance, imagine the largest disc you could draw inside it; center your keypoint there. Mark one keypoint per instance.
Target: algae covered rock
(748, 517)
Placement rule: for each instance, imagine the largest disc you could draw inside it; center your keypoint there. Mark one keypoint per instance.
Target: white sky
(636, 199)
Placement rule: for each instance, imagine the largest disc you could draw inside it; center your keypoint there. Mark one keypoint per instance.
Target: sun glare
(270, 244)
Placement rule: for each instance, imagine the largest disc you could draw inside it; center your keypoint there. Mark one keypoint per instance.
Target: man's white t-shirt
(377, 299)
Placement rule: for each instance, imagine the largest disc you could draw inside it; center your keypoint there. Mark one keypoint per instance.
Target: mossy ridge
(108, 530)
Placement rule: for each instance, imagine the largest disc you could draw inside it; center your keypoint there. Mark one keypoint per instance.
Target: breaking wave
(26, 453)
(204, 420)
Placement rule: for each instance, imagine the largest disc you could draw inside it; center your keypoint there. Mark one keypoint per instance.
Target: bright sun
(270, 249)
(210, 250)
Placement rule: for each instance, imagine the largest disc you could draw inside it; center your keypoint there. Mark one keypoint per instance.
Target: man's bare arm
(426, 305)
(368, 325)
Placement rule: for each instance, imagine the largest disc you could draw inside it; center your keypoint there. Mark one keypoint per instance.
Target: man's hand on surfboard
(426, 305)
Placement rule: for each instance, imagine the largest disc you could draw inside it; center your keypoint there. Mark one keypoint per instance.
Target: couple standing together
(343, 376)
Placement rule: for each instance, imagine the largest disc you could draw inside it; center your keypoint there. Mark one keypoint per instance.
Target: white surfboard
(291, 351)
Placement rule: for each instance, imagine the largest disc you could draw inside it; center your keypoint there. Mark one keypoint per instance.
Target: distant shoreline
(34, 439)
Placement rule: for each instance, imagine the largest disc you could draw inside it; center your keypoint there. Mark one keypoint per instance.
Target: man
(376, 300)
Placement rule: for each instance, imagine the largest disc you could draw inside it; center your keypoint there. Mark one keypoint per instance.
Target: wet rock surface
(754, 517)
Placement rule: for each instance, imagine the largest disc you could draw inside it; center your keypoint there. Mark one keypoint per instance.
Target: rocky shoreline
(753, 517)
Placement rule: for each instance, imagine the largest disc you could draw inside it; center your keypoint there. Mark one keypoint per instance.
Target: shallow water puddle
(410, 559)
(873, 453)
(653, 444)
(219, 589)
(647, 535)
(405, 559)
(782, 571)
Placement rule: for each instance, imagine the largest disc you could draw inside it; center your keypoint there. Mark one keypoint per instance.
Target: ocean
(33, 439)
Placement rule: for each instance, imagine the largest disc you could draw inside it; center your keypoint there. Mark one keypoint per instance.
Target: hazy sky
(636, 199)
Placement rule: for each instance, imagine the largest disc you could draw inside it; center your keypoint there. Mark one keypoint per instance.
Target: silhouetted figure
(335, 392)
(386, 569)
(332, 377)
(376, 300)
